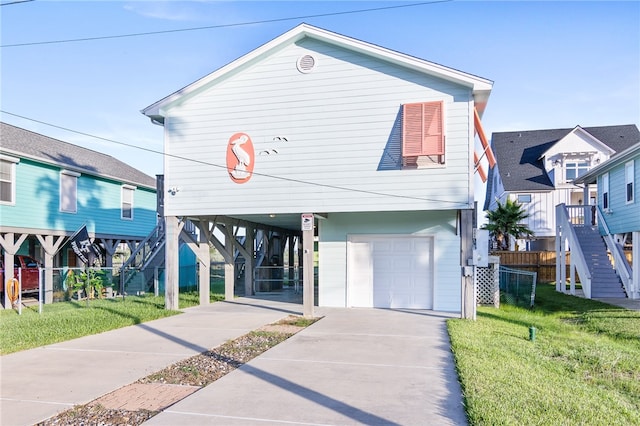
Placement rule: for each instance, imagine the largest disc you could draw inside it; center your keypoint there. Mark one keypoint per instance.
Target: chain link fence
(518, 287)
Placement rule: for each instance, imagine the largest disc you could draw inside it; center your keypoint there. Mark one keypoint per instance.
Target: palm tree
(505, 221)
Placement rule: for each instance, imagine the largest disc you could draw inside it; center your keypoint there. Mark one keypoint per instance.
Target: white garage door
(390, 271)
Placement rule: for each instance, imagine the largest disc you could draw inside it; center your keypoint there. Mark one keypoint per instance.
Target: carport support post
(466, 254)
(51, 245)
(10, 245)
(204, 270)
(172, 263)
(249, 244)
(8, 276)
(291, 243)
(307, 272)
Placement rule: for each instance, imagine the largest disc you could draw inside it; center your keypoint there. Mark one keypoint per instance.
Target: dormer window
(575, 169)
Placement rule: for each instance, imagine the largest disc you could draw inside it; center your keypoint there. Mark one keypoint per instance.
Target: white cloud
(166, 10)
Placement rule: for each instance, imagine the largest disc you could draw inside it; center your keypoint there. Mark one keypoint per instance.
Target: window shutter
(412, 130)
(433, 138)
(422, 129)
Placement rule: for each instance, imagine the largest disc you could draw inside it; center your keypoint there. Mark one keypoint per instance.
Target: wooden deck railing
(542, 262)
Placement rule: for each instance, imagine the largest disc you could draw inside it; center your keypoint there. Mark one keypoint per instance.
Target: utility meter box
(481, 248)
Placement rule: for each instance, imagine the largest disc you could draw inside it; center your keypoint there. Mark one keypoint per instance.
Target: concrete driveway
(354, 366)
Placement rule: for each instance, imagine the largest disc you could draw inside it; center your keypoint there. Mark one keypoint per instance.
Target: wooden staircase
(604, 280)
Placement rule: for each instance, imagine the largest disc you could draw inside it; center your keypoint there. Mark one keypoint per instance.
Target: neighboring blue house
(617, 211)
(372, 148)
(536, 168)
(49, 189)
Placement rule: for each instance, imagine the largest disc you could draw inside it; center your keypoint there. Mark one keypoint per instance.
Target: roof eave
(480, 87)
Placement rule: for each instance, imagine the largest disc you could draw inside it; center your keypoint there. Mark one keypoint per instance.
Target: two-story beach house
(372, 148)
(49, 189)
(537, 168)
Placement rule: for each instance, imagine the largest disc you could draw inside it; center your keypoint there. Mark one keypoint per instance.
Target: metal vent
(306, 64)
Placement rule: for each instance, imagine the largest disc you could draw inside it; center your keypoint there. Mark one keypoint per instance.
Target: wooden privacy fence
(542, 262)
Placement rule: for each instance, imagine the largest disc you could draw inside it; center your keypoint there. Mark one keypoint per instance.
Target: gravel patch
(199, 370)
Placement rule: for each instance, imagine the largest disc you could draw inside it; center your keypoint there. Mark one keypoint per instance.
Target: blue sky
(554, 64)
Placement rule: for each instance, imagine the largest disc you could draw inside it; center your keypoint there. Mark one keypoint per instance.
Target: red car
(30, 273)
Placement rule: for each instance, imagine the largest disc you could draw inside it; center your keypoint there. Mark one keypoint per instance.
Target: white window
(69, 191)
(8, 180)
(605, 191)
(127, 201)
(628, 177)
(524, 198)
(575, 169)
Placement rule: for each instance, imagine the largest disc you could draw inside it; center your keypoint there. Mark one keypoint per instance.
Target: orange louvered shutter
(422, 129)
(412, 130)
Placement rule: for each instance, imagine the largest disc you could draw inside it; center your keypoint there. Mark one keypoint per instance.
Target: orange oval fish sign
(240, 158)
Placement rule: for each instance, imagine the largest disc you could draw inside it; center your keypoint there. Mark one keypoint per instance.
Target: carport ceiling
(291, 221)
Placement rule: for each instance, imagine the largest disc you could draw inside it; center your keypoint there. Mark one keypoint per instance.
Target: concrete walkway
(355, 366)
(631, 304)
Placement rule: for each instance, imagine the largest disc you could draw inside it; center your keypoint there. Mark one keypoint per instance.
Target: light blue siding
(37, 205)
(333, 232)
(342, 124)
(624, 217)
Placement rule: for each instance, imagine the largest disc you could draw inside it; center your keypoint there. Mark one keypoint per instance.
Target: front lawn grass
(68, 320)
(582, 369)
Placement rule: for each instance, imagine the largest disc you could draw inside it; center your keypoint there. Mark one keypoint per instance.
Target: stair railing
(621, 265)
(143, 251)
(563, 219)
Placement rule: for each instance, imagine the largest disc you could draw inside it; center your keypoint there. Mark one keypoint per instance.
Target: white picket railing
(564, 221)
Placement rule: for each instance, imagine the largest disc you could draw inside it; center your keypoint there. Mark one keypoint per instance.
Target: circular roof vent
(306, 64)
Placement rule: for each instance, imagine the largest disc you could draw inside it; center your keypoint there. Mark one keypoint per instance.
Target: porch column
(110, 247)
(11, 247)
(563, 264)
(307, 263)
(635, 265)
(8, 276)
(588, 220)
(572, 274)
(172, 263)
(51, 245)
(558, 264)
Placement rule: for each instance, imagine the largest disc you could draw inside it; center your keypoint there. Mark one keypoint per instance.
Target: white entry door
(390, 271)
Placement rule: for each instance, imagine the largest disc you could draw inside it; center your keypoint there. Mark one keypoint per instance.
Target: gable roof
(519, 154)
(26, 144)
(481, 87)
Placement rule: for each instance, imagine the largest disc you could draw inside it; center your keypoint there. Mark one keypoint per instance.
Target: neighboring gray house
(537, 167)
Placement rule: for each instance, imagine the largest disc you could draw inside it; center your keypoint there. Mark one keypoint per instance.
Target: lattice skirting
(488, 284)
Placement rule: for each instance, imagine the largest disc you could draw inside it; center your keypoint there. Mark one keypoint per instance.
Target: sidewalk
(38, 383)
(355, 366)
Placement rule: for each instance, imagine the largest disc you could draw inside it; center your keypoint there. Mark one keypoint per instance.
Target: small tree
(505, 221)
